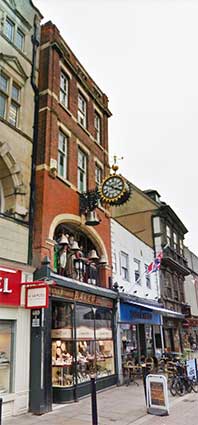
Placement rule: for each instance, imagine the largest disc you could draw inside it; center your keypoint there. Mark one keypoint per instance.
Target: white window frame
(82, 110)
(124, 265)
(64, 91)
(168, 235)
(11, 101)
(82, 171)
(137, 265)
(62, 154)
(12, 25)
(22, 35)
(181, 247)
(97, 126)
(98, 174)
(114, 262)
(175, 241)
(147, 277)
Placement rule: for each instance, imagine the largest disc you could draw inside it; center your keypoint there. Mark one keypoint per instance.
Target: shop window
(62, 345)
(137, 271)
(6, 355)
(104, 343)
(94, 343)
(85, 344)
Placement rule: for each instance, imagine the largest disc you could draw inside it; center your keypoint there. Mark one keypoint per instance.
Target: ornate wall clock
(114, 190)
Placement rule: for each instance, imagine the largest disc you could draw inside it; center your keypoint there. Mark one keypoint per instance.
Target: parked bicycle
(181, 383)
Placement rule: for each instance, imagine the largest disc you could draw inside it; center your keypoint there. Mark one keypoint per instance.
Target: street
(119, 406)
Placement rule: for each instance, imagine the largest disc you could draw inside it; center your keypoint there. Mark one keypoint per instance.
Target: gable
(14, 64)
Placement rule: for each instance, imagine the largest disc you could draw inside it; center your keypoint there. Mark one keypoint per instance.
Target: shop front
(14, 355)
(173, 334)
(78, 340)
(140, 331)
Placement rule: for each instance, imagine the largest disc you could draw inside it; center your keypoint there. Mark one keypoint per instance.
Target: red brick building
(72, 158)
(72, 149)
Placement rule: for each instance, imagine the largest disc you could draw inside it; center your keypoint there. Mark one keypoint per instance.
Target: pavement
(116, 406)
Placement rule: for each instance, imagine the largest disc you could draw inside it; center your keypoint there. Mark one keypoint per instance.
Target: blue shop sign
(131, 313)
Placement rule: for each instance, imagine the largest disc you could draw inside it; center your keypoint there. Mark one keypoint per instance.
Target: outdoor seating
(132, 372)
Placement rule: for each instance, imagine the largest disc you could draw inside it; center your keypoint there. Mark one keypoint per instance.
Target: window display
(104, 358)
(73, 360)
(6, 355)
(85, 360)
(62, 345)
(62, 363)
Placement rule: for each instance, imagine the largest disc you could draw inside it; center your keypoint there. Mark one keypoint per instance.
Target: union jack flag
(156, 263)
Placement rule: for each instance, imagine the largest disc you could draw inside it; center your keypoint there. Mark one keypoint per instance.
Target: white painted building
(139, 319)
(130, 259)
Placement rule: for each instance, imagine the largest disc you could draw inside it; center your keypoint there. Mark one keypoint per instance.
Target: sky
(144, 55)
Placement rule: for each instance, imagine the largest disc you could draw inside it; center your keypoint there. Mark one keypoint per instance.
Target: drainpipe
(35, 45)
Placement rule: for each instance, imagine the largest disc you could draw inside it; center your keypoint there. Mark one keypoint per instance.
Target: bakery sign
(10, 286)
(37, 296)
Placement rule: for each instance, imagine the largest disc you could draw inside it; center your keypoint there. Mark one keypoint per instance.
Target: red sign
(37, 296)
(10, 286)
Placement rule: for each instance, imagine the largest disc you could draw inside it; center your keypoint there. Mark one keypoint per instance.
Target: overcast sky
(144, 56)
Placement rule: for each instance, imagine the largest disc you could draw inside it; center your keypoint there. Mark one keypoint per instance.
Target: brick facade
(57, 198)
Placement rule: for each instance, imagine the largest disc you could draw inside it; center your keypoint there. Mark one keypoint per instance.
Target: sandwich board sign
(157, 395)
(191, 366)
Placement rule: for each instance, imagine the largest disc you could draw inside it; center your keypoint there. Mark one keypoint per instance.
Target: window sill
(67, 183)
(83, 128)
(65, 109)
(22, 52)
(15, 129)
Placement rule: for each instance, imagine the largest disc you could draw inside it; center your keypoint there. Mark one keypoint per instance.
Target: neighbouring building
(72, 159)
(156, 223)
(190, 325)
(18, 19)
(139, 314)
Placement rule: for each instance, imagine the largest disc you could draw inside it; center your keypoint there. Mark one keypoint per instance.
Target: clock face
(112, 188)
